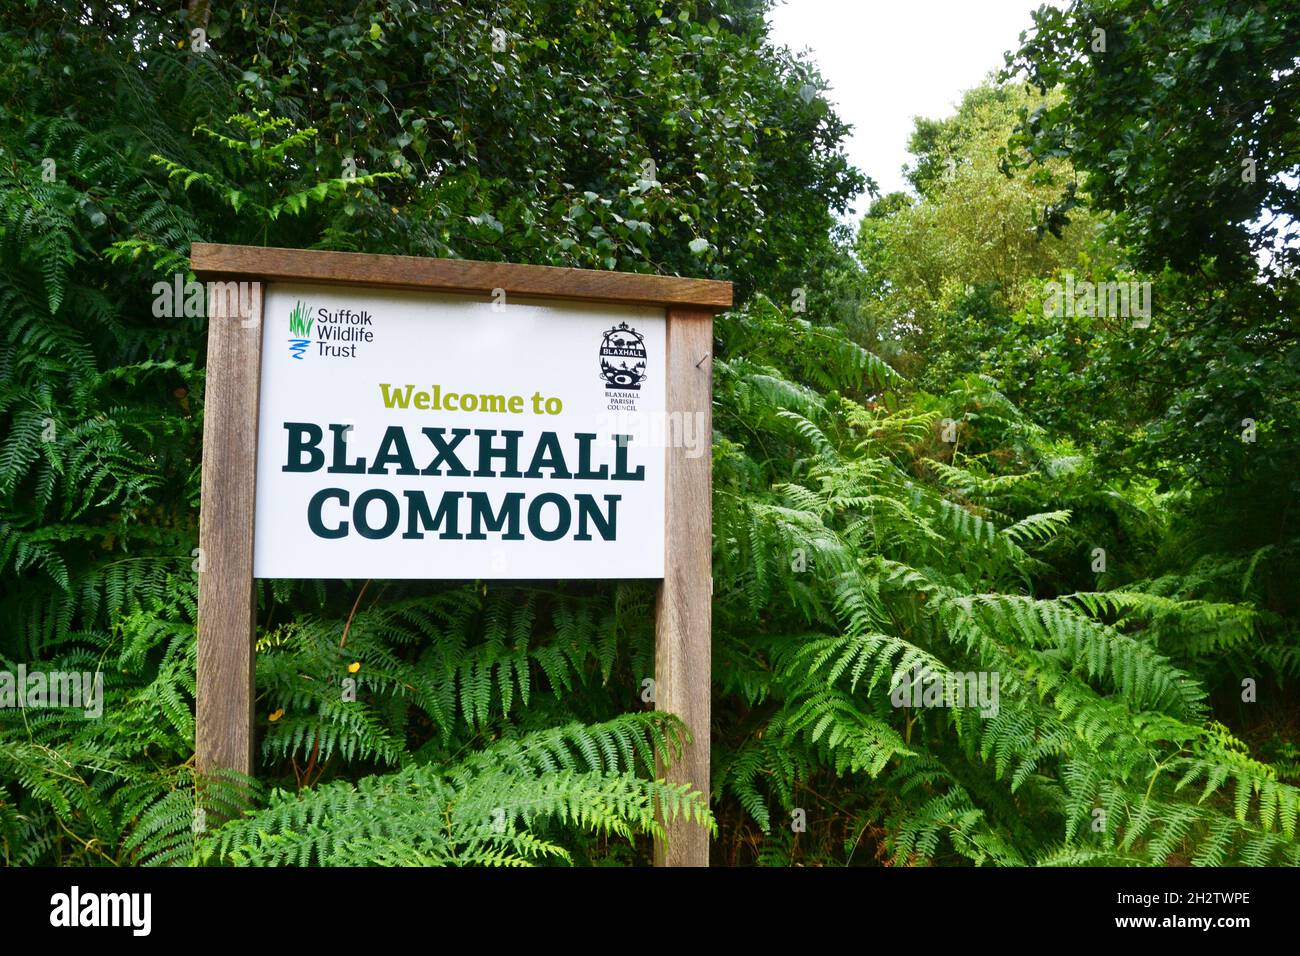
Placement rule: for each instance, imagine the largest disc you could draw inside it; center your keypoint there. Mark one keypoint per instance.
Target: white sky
(889, 60)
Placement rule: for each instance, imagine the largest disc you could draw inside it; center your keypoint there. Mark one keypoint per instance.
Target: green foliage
(899, 481)
(493, 809)
(853, 570)
(1184, 130)
(264, 149)
(954, 270)
(1162, 112)
(152, 145)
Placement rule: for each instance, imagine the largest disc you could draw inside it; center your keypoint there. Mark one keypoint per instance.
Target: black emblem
(622, 358)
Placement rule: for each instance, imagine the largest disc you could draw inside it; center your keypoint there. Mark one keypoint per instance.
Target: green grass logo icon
(299, 323)
(300, 330)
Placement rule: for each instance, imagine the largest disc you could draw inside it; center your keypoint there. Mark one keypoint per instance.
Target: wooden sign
(408, 435)
(397, 417)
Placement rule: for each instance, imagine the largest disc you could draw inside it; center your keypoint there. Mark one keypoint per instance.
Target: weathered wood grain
(683, 635)
(454, 275)
(224, 692)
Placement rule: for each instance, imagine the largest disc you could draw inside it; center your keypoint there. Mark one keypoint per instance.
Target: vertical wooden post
(227, 606)
(683, 629)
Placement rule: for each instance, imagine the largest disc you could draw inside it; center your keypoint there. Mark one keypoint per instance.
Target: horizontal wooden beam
(216, 261)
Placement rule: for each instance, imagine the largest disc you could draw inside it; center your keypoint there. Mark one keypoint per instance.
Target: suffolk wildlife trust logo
(300, 322)
(337, 333)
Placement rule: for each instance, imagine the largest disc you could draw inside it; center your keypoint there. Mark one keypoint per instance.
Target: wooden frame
(227, 602)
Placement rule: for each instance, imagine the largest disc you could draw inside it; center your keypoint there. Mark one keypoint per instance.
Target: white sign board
(411, 435)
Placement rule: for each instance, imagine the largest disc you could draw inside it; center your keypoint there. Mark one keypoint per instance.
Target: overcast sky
(889, 60)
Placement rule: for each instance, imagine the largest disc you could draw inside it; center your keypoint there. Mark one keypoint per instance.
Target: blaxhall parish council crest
(623, 358)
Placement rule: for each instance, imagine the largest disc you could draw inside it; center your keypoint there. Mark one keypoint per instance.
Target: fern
(496, 808)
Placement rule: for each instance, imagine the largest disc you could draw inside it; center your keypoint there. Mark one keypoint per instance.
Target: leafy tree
(953, 266)
(1182, 120)
(1183, 116)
